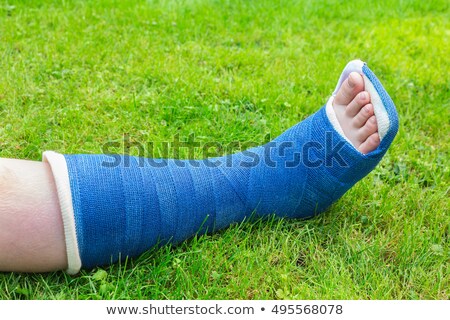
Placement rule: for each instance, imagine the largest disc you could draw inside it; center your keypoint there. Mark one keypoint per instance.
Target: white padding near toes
(61, 175)
(378, 108)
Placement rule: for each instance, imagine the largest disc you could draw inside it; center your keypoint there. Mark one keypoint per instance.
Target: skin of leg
(31, 227)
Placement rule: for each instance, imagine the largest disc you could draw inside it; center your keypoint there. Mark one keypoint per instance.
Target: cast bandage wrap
(117, 206)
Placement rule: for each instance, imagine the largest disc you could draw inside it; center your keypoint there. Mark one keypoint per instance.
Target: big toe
(349, 89)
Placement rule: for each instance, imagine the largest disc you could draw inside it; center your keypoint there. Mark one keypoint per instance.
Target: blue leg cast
(121, 206)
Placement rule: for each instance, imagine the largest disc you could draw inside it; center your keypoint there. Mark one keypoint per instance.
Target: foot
(355, 114)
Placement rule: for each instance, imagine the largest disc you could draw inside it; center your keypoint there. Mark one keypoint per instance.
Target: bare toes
(371, 143)
(363, 115)
(357, 103)
(349, 89)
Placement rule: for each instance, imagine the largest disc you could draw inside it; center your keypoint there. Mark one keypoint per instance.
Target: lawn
(76, 75)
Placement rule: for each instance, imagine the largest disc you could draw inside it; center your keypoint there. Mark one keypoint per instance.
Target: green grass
(78, 74)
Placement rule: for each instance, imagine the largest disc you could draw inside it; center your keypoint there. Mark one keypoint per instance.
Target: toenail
(363, 95)
(351, 80)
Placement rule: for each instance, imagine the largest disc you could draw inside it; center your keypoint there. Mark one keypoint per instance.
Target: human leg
(112, 211)
(31, 227)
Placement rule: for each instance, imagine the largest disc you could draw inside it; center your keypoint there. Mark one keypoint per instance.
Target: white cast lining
(379, 109)
(61, 175)
(381, 114)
